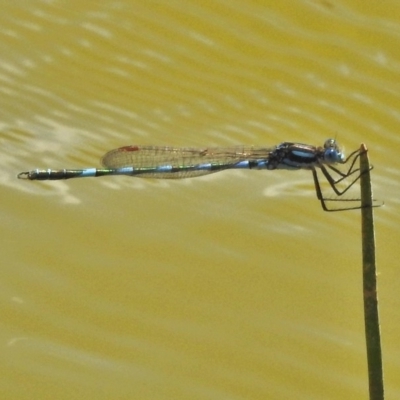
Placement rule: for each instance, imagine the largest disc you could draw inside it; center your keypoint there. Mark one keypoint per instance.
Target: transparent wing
(186, 160)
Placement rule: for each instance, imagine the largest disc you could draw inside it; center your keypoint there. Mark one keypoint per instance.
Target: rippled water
(235, 285)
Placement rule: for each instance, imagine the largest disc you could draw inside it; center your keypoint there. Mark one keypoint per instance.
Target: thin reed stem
(371, 316)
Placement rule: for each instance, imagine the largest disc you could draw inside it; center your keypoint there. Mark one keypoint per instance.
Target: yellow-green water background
(233, 286)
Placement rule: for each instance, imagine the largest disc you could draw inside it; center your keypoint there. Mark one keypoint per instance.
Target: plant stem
(371, 316)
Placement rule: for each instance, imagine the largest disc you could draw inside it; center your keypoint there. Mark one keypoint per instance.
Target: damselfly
(174, 162)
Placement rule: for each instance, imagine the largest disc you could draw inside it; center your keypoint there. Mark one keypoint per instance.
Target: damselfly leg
(333, 183)
(351, 160)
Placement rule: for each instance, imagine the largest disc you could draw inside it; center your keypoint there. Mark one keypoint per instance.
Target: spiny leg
(333, 183)
(354, 156)
(350, 171)
(323, 200)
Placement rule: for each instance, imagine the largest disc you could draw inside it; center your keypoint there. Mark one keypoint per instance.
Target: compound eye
(333, 156)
